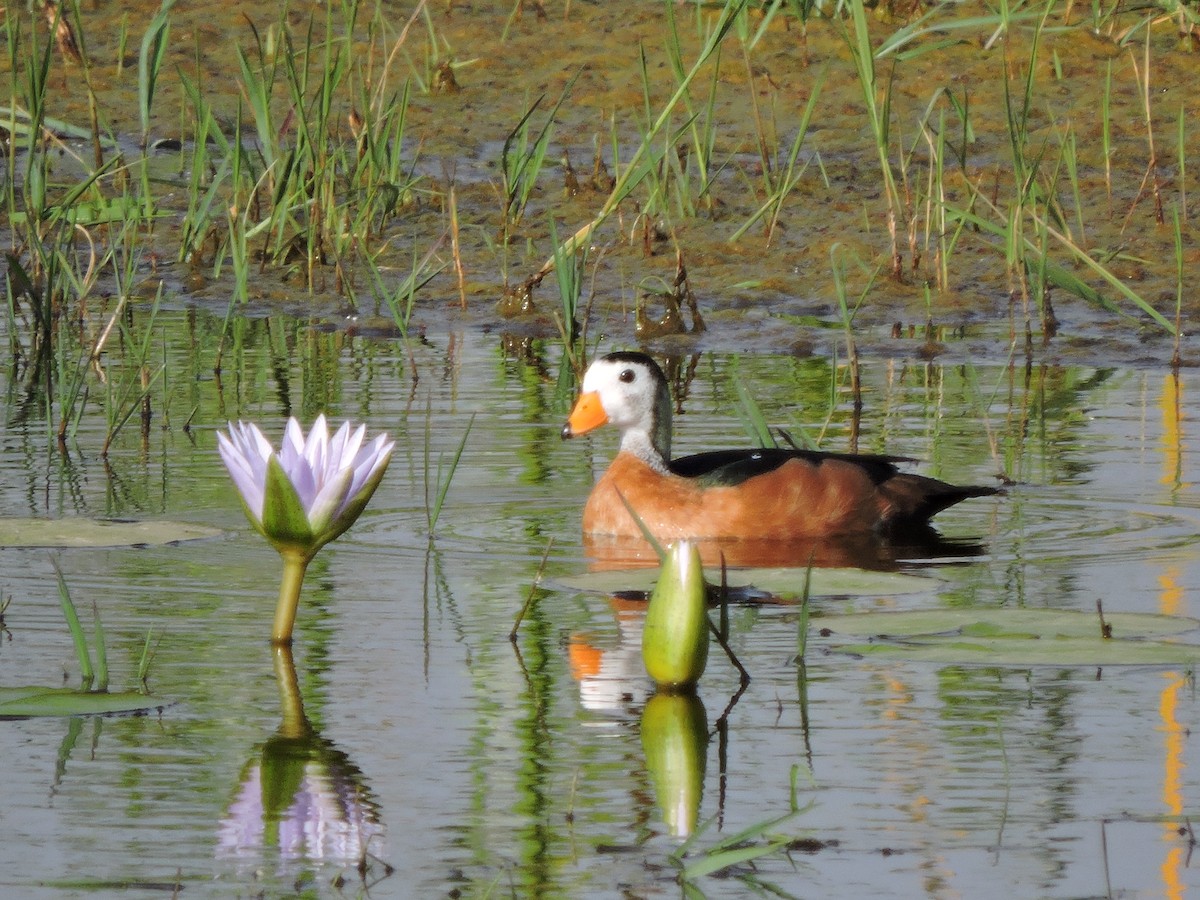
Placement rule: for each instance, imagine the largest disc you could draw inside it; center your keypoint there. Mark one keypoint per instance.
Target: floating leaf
(21, 702)
(785, 584)
(19, 532)
(1016, 637)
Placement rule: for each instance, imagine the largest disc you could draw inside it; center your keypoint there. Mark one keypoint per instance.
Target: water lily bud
(675, 741)
(675, 638)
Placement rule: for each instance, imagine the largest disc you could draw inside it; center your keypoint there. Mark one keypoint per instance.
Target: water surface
(464, 763)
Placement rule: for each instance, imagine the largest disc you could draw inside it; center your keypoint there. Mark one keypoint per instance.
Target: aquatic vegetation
(304, 495)
(522, 158)
(93, 696)
(675, 637)
(1016, 637)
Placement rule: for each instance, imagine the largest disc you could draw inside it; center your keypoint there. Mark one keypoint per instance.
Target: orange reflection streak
(1170, 602)
(1172, 438)
(1172, 796)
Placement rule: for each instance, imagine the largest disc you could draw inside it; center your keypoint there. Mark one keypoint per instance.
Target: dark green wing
(732, 467)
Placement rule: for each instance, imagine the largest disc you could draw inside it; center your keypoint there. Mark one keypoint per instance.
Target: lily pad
(75, 532)
(777, 584)
(23, 702)
(1016, 637)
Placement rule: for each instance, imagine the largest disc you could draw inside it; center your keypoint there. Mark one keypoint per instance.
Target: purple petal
(245, 453)
(369, 461)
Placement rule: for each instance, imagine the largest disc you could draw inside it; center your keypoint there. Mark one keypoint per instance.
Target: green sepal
(284, 521)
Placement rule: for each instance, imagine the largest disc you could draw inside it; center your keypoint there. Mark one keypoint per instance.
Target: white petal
(248, 472)
(344, 448)
(369, 461)
(329, 502)
(292, 447)
(316, 448)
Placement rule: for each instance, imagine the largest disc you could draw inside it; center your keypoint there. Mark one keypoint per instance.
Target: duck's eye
(627, 375)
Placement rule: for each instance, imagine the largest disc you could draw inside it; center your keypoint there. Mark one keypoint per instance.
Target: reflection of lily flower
(303, 496)
(302, 795)
(321, 816)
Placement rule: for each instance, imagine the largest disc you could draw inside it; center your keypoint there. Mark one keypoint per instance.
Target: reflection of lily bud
(675, 639)
(302, 795)
(675, 741)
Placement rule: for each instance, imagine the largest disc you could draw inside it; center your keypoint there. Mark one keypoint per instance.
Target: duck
(781, 494)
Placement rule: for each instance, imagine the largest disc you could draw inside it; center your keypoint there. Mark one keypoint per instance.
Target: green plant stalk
(568, 272)
(432, 513)
(1181, 154)
(1106, 130)
(132, 391)
(802, 621)
(1059, 276)
(656, 175)
(258, 89)
(122, 44)
(1180, 268)
(295, 564)
(400, 300)
(143, 669)
(879, 118)
(101, 651)
(520, 170)
(779, 189)
(751, 416)
(703, 127)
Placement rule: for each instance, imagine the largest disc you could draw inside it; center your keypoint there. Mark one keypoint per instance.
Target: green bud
(675, 638)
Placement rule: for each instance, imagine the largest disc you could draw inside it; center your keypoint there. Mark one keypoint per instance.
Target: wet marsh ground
(985, 236)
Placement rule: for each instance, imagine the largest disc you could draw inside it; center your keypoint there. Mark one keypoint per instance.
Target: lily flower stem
(294, 565)
(294, 724)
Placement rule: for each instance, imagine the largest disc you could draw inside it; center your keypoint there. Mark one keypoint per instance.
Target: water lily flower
(303, 496)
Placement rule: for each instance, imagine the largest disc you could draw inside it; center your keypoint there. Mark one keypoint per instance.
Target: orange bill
(588, 414)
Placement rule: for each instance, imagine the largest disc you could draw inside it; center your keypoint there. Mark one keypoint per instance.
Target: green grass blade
(101, 650)
(150, 59)
(81, 647)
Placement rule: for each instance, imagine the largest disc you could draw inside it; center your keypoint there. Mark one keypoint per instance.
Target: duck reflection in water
(864, 551)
